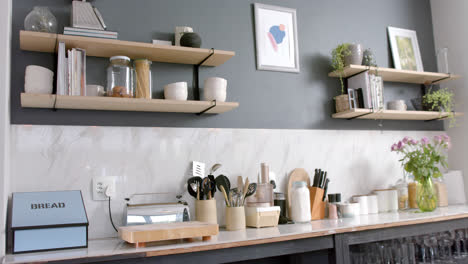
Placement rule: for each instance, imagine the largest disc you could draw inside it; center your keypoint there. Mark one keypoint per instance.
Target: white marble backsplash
(146, 160)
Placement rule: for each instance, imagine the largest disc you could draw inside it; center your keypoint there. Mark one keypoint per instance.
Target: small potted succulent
(342, 56)
(440, 100)
(338, 63)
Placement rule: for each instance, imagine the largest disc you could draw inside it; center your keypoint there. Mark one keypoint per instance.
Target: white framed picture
(405, 49)
(276, 38)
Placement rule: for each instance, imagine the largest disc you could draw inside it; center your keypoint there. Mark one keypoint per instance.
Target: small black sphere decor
(191, 39)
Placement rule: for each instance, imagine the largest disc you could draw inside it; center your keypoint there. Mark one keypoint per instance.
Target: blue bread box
(44, 221)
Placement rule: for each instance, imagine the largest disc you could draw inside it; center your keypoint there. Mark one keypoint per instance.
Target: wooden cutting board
(298, 174)
(141, 234)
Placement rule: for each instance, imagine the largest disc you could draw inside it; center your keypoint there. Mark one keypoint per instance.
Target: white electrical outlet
(101, 184)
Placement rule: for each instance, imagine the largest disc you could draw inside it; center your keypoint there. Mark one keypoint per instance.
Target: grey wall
(267, 99)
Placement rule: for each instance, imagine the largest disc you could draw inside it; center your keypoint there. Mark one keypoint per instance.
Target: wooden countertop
(101, 249)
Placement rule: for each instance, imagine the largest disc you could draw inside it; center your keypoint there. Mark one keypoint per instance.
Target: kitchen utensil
(215, 168)
(251, 190)
(193, 185)
(325, 189)
(208, 187)
(225, 195)
(240, 184)
(265, 172)
(198, 169)
(296, 175)
(213, 184)
(316, 178)
(245, 190)
(324, 180)
(222, 180)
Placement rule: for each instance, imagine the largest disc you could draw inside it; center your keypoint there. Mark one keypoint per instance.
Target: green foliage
(338, 61)
(441, 100)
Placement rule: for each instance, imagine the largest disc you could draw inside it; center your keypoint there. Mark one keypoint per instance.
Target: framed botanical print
(405, 49)
(276, 38)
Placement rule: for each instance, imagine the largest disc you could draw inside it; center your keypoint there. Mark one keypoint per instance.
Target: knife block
(317, 206)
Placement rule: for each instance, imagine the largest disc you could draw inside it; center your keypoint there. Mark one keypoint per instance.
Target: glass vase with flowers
(424, 159)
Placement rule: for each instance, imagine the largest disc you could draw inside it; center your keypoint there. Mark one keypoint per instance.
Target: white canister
(38, 80)
(176, 91)
(179, 31)
(393, 200)
(349, 210)
(215, 89)
(363, 202)
(382, 198)
(373, 204)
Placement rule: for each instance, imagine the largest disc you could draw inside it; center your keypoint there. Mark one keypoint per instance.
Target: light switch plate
(100, 184)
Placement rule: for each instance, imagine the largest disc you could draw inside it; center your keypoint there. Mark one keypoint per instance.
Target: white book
(380, 92)
(373, 92)
(84, 30)
(82, 72)
(362, 81)
(70, 72)
(62, 69)
(91, 35)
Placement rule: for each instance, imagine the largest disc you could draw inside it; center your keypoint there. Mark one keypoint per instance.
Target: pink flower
(425, 141)
(438, 139)
(400, 145)
(406, 140)
(394, 147)
(414, 142)
(446, 137)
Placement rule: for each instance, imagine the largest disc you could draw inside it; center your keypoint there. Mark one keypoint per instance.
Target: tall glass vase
(426, 195)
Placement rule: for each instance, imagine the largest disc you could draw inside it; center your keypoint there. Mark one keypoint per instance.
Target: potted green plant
(338, 64)
(440, 100)
(423, 159)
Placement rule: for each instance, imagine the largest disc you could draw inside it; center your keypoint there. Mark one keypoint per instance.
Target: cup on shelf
(176, 91)
(94, 90)
(215, 89)
(398, 105)
(38, 80)
(235, 218)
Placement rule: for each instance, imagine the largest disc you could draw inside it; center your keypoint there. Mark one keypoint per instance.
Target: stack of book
(90, 33)
(71, 71)
(368, 91)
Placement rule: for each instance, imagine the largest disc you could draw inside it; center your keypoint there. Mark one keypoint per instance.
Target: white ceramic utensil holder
(235, 218)
(205, 211)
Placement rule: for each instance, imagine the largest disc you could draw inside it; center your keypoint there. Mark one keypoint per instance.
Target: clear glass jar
(300, 203)
(120, 77)
(142, 78)
(402, 188)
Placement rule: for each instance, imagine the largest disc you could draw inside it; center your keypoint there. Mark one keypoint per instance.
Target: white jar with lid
(120, 77)
(300, 203)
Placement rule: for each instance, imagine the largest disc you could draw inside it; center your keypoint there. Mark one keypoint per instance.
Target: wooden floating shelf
(99, 47)
(122, 104)
(394, 75)
(392, 115)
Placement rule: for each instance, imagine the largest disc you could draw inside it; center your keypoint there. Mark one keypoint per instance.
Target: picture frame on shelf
(276, 38)
(405, 49)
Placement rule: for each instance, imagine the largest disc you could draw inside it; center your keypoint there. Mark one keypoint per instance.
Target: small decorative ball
(191, 39)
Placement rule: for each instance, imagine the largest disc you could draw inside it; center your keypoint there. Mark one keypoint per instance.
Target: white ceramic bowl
(38, 80)
(94, 90)
(176, 91)
(215, 89)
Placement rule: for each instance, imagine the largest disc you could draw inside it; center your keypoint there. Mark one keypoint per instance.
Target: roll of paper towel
(455, 187)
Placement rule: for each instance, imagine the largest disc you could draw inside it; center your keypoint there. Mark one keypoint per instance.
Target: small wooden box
(317, 206)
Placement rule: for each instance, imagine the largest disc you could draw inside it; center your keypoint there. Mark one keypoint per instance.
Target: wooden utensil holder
(317, 206)
(205, 211)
